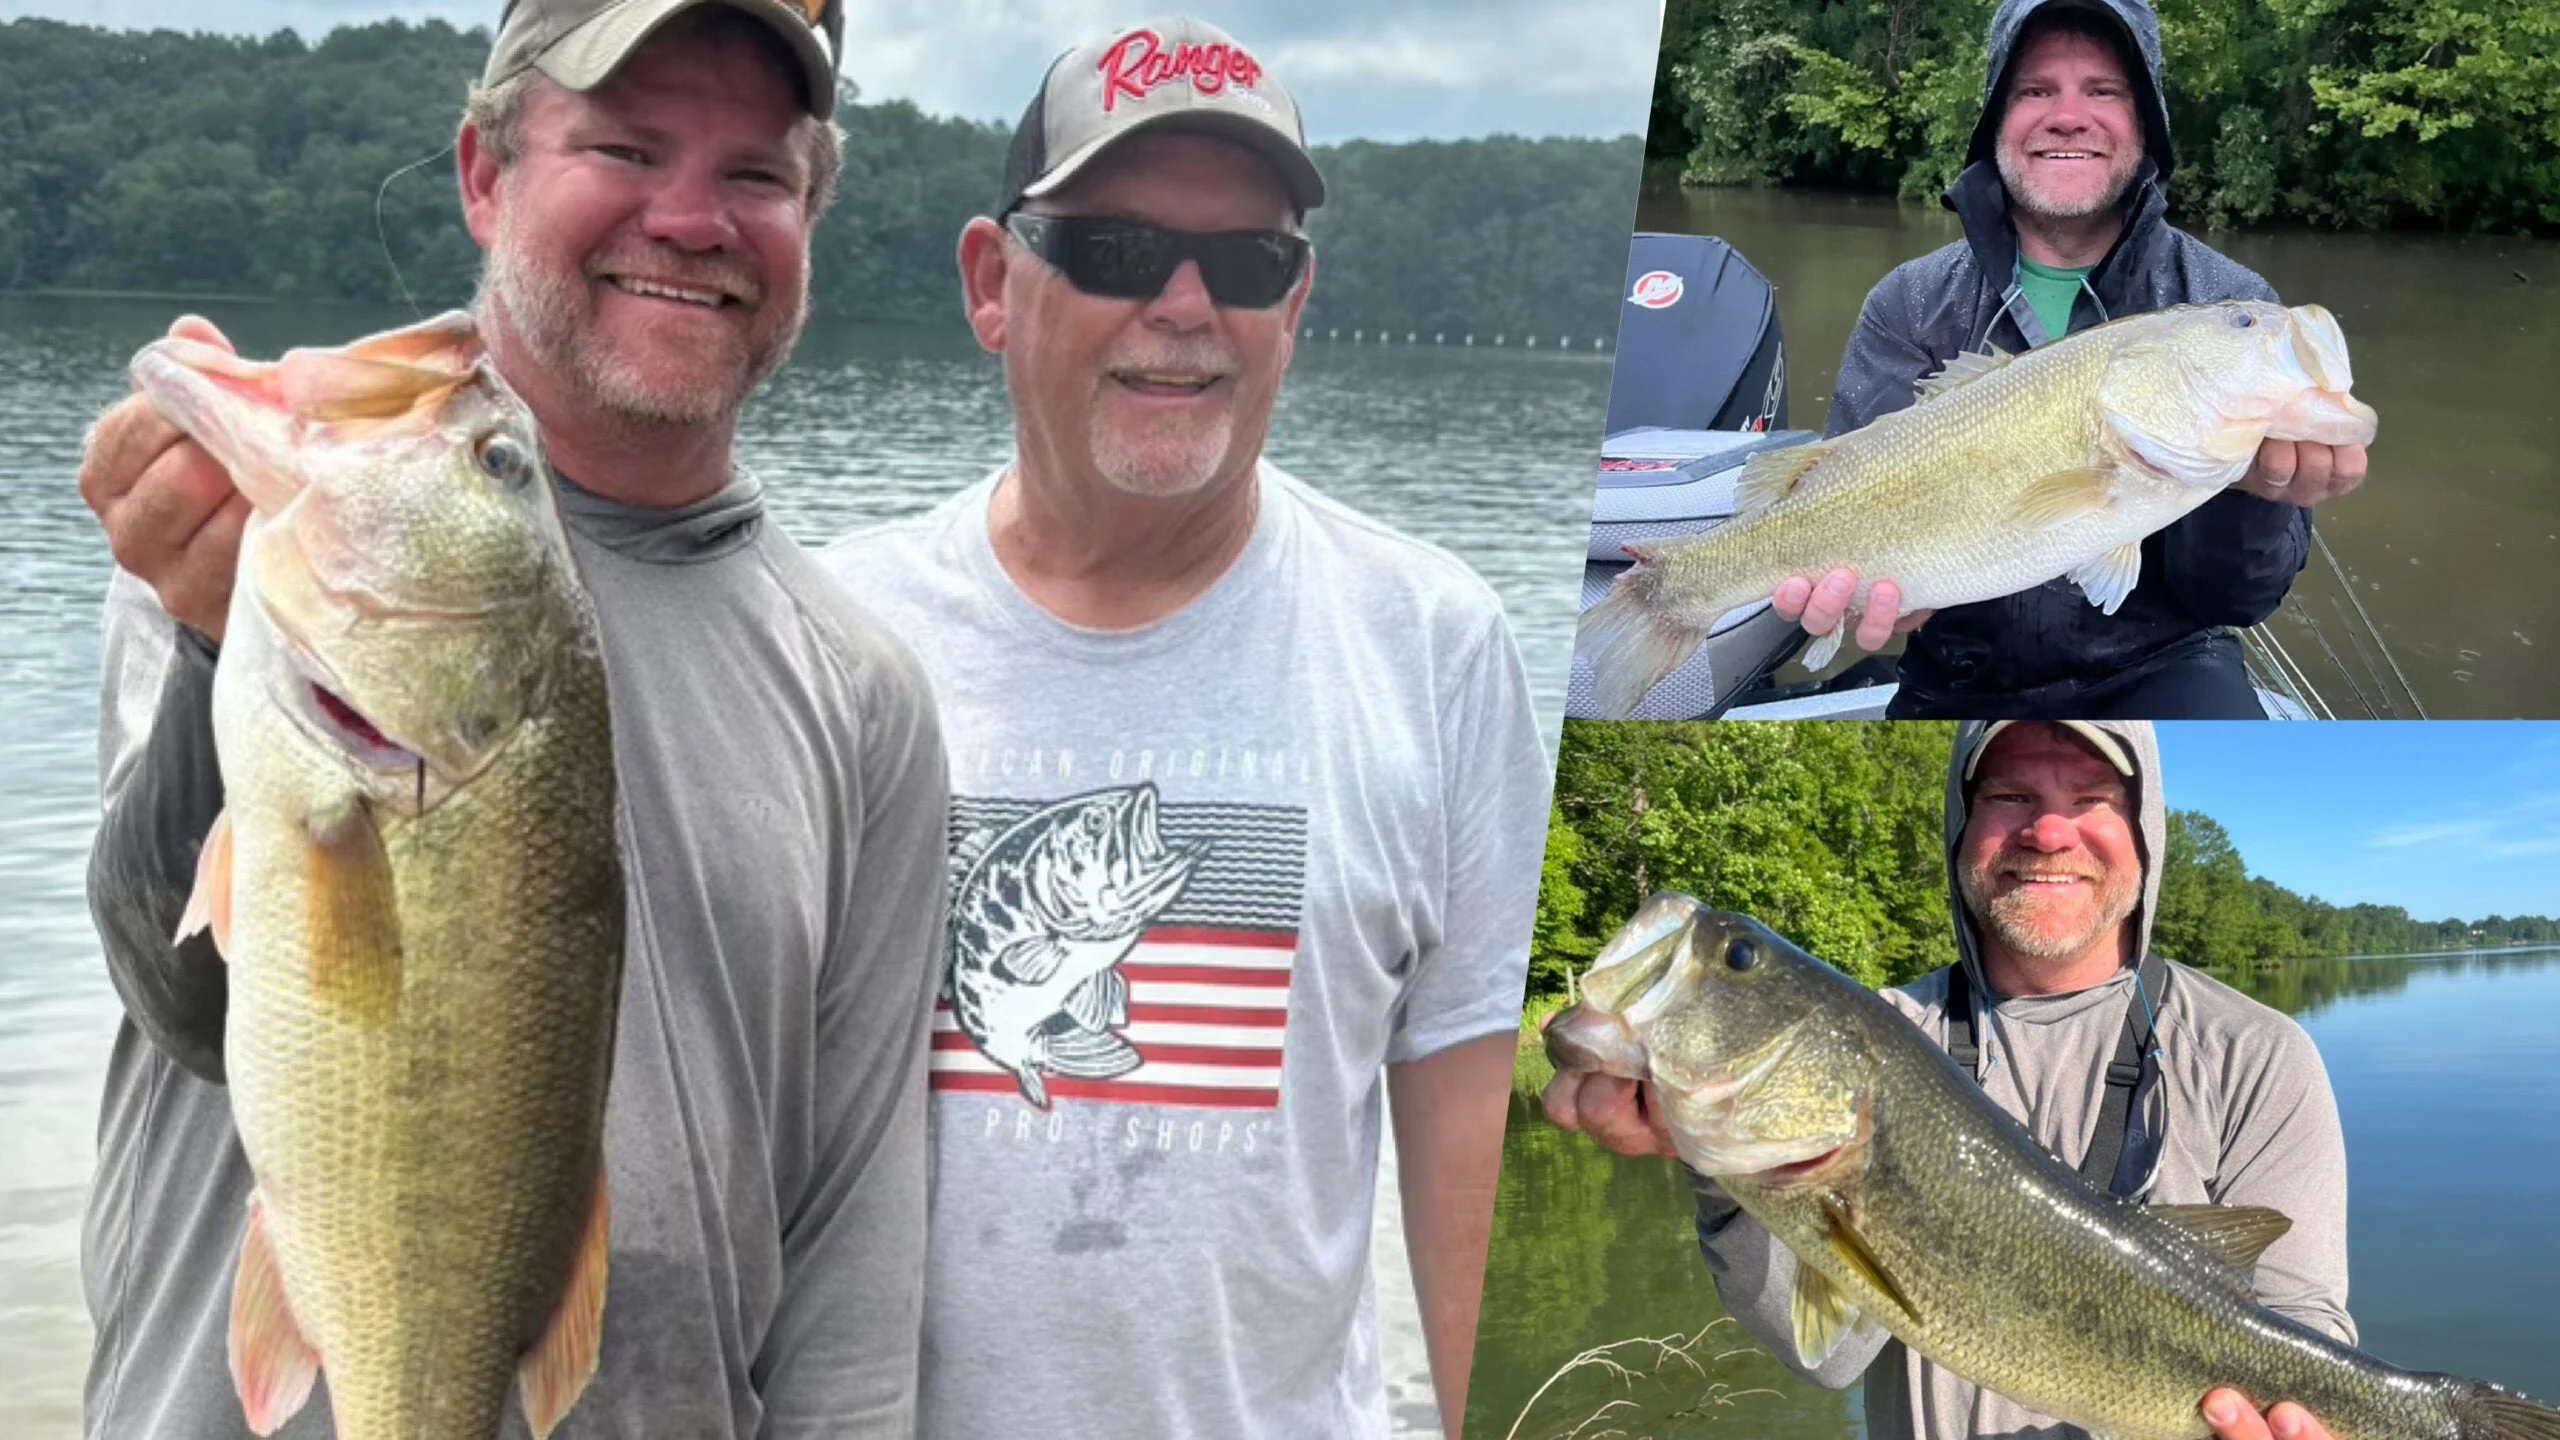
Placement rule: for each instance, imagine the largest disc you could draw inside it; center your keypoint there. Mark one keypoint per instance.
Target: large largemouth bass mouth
(1914, 1203)
(2009, 472)
(417, 884)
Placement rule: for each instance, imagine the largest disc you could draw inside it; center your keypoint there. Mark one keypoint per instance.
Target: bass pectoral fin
(209, 904)
(1840, 1235)
(1031, 961)
(351, 914)
(272, 1366)
(1821, 1314)
(555, 1372)
(2236, 1234)
(2064, 496)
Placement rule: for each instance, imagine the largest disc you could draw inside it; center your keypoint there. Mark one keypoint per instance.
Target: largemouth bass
(417, 884)
(2009, 472)
(1914, 1203)
(1039, 926)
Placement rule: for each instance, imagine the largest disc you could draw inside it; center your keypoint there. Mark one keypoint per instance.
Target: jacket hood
(2140, 27)
(2142, 748)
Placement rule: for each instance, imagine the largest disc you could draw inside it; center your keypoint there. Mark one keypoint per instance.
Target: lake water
(2452, 540)
(1488, 452)
(2444, 1069)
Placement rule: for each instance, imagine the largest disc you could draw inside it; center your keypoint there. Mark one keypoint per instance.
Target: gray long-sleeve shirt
(2249, 1121)
(785, 796)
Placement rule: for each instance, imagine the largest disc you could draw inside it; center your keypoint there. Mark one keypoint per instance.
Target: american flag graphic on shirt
(1112, 947)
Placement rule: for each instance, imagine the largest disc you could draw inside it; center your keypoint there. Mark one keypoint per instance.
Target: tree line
(2350, 113)
(249, 166)
(1833, 835)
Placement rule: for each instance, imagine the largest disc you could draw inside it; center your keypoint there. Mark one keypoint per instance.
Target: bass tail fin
(1631, 642)
(2490, 1412)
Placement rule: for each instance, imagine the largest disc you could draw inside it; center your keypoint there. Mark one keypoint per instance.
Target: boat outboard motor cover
(1698, 340)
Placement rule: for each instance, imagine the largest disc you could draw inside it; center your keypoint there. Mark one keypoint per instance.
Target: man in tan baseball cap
(644, 176)
(580, 43)
(1249, 804)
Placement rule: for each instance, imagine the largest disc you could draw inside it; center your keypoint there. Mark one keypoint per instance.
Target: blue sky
(2441, 818)
(1375, 69)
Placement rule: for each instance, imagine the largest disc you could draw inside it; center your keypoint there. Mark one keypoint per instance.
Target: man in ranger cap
(2158, 1082)
(2064, 201)
(1248, 801)
(644, 175)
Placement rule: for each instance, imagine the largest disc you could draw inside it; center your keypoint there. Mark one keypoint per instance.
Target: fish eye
(505, 461)
(1741, 954)
(2242, 320)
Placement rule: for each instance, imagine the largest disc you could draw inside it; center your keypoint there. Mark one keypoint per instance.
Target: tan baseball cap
(1178, 72)
(2109, 748)
(580, 43)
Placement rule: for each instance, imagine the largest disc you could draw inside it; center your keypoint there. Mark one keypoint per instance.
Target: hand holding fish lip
(172, 515)
(1621, 1114)
(2303, 472)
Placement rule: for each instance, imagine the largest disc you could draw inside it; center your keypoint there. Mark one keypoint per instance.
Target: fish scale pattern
(421, 1092)
(2025, 1280)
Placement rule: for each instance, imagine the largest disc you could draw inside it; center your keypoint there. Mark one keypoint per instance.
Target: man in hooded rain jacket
(2064, 199)
(2055, 833)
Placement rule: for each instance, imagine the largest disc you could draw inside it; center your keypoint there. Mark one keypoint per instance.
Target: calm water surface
(2444, 1069)
(1489, 453)
(2451, 543)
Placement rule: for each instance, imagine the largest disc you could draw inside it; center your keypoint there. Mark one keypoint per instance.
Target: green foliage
(1830, 833)
(2370, 113)
(214, 164)
(1834, 835)
(1485, 237)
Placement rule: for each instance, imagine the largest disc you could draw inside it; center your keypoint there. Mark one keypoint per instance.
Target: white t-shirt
(1211, 876)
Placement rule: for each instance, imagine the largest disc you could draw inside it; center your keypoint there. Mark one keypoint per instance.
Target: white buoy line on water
(1361, 335)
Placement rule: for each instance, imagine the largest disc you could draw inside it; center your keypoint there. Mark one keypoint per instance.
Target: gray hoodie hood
(2140, 29)
(2151, 831)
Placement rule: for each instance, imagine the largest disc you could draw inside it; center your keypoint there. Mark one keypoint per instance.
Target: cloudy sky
(1382, 69)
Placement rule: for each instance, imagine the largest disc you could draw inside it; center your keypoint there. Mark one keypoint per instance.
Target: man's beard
(1176, 455)
(2026, 195)
(2012, 918)
(547, 313)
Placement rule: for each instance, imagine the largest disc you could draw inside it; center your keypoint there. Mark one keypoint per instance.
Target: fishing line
(2340, 571)
(383, 237)
(2287, 673)
(2321, 635)
(2373, 671)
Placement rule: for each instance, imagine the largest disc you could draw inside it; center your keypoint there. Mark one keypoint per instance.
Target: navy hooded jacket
(2228, 563)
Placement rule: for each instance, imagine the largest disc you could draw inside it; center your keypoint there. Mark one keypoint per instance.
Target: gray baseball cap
(1177, 73)
(580, 43)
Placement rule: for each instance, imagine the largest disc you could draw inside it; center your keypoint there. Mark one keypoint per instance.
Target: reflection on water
(2450, 543)
(1488, 453)
(2444, 1069)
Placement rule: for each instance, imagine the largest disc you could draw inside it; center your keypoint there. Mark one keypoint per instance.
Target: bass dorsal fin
(1771, 476)
(1961, 371)
(2236, 1234)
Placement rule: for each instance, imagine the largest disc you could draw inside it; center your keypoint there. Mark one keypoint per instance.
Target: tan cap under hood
(2137, 746)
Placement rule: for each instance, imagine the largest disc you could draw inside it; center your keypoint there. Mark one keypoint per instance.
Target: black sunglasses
(1132, 260)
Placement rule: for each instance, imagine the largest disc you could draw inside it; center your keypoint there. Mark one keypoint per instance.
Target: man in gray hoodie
(2064, 201)
(2054, 833)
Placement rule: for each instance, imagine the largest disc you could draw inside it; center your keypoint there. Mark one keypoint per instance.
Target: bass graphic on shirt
(1039, 925)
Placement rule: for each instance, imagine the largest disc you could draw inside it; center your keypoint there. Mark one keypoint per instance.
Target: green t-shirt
(2051, 292)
